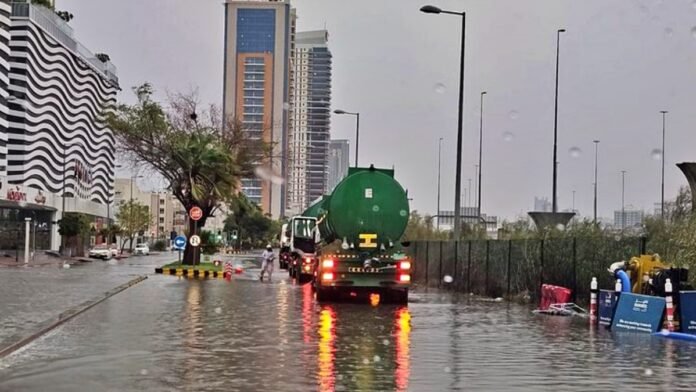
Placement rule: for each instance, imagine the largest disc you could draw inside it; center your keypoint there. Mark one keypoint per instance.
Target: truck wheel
(324, 295)
(399, 296)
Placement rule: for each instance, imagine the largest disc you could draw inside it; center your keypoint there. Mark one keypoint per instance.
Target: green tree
(254, 228)
(74, 227)
(133, 217)
(44, 3)
(202, 156)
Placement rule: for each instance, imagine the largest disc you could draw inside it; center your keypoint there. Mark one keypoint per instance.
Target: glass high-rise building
(255, 92)
(310, 120)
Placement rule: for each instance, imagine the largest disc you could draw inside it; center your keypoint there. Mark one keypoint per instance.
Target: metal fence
(507, 268)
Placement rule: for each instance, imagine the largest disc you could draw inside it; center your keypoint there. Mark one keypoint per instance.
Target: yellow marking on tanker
(367, 241)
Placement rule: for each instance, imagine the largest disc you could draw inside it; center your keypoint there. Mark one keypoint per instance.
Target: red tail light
(404, 278)
(328, 263)
(327, 276)
(308, 260)
(405, 265)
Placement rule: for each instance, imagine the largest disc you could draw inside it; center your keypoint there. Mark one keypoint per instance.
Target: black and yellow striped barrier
(189, 273)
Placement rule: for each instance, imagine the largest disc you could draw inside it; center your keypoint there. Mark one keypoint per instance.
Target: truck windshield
(304, 228)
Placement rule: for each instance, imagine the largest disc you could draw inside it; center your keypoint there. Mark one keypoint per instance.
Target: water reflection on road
(170, 333)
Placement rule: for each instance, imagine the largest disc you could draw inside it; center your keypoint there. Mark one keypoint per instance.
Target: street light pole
(555, 123)
(662, 202)
(478, 204)
(357, 130)
(596, 155)
(623, 211)
(439, 156)
(429, 9)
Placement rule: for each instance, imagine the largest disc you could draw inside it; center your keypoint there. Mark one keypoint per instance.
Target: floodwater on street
(170, 333)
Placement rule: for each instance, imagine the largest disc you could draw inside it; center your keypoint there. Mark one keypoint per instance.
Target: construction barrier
(189, 273)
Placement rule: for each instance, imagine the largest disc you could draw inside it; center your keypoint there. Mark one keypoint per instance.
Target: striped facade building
(5, 23)
(56, 153)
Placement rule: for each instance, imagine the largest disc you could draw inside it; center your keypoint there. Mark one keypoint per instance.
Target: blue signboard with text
(687, 311)
(638, 313)
(605, 305)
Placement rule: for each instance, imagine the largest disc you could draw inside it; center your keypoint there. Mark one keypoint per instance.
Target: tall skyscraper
(339, 160)
(255, 92)
(310, 120)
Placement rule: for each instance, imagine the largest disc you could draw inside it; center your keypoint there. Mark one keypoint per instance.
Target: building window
(255, 30)
(161, 220)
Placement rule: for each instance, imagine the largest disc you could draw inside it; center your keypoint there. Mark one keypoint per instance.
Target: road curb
(189, 273)
(14, 343)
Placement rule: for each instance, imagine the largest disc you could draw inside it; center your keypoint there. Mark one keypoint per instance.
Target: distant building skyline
(339, 161)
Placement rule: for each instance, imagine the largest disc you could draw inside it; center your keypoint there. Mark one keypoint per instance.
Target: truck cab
(300, 247)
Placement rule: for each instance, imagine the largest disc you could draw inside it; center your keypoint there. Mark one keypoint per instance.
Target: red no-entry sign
(196, 213)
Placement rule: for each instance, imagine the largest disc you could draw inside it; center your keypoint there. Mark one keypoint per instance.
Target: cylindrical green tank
(368, 202)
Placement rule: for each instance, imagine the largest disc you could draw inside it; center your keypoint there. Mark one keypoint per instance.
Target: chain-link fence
(510, 267)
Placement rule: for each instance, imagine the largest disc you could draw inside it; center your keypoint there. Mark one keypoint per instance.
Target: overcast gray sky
(621, 63)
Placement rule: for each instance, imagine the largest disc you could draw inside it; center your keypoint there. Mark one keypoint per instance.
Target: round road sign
(180, 242)
(196, 213)
(195, 240)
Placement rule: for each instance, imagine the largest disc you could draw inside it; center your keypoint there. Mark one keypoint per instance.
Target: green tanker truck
(356, 232)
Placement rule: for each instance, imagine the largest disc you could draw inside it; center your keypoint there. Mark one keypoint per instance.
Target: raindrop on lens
(575, 152)
(447, 279)
(447, 369)
(218, 310)
(508, 136)
(286, 106)
(668, 32)
(656, 154)
(385, 342)
(439, 88)
(560, 227)
(648, 372)
(376, 358)
(144, 372)
(514, 114)
(366, 361)
(693, 30)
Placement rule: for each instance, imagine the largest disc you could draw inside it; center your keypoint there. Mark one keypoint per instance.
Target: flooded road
(169, 333)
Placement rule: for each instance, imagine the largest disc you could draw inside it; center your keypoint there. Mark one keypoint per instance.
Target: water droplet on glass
(693, 5)
(447, 279)
(366, 361)
(439, 88)
(339, 377)
(656, 154)
(385, 342)
(144, 372)
(668, 32)
(66, 266)
(648, 372)
(286, 106)
(693, 31)
(508, 136)
(560, 227)
(376, 358)
(218, 310)
(514, 114)
(447, 369)
(575, 152)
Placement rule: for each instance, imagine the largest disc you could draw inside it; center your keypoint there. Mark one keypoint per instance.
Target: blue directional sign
(687, 307)
(638, 313)
(180, 242)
